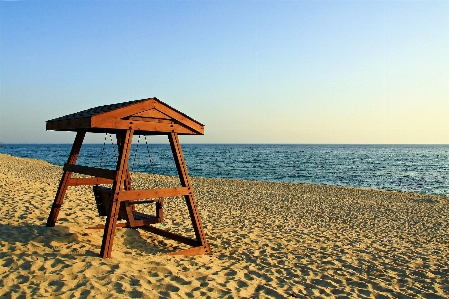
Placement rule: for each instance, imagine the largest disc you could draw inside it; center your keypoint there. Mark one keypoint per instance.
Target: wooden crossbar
(153, 193)
(93, 171)
(89, 181)
(137, 202)
(147, 126)
(133, 196)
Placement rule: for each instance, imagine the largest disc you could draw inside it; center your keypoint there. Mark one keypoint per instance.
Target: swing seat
(134, 219)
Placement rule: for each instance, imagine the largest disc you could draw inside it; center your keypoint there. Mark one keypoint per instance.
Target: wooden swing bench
(143, 117)
(134, 219)
(138, 220)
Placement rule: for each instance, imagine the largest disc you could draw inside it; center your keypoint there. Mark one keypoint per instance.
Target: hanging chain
(164, 206)
(149, 155)
(114, 148)
(102, 149)
(135, 154)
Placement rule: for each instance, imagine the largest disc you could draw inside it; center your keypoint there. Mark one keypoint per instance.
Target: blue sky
(251, 71)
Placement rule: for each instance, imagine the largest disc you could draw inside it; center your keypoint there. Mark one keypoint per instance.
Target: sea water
(409, 168)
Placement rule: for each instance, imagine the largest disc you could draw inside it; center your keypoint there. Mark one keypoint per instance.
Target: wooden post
(190, 199)
(63, 184)
(160, 210)
(122, 174)
(127, 181)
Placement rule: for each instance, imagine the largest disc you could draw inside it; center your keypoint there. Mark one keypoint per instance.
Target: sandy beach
(268, 240)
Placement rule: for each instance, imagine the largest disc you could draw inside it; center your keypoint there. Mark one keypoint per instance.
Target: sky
(338, 72)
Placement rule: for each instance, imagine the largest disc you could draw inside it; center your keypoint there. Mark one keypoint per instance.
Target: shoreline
(253, 180)
(268, 239)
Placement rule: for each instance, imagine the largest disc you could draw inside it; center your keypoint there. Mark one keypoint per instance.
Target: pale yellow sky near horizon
(363, 72)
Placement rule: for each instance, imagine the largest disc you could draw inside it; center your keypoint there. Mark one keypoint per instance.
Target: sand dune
(269, 240)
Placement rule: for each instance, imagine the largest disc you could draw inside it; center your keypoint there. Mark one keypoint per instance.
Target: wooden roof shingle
(150, 116)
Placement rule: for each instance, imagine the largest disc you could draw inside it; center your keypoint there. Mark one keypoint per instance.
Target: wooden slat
(89, 181)
(145, 126)
(140, 223)
(96, 172)
(170, 235)
(122, 112)
(151, 119)
(68, 124)
(137, 202)
(198, 128)
(153, 193)
(152, 113)
(163, 128)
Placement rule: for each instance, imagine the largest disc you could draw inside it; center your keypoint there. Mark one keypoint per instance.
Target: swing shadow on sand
(58, 241)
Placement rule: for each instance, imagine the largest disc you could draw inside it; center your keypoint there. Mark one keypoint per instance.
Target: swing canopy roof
(148, 116)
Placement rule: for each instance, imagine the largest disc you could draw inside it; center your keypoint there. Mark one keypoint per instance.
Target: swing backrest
(103, 199)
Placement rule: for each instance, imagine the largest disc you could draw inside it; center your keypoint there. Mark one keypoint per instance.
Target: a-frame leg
(203, 246)
(127, 180)
(66, 176)
(121, 176)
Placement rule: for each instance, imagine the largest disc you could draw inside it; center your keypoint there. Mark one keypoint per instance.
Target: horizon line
(213, 143)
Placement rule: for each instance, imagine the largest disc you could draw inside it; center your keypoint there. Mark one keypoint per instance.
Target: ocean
(406, 168)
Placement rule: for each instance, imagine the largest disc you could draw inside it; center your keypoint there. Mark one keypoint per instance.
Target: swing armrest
(153, 193)
(144, 201)
(93, 171)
